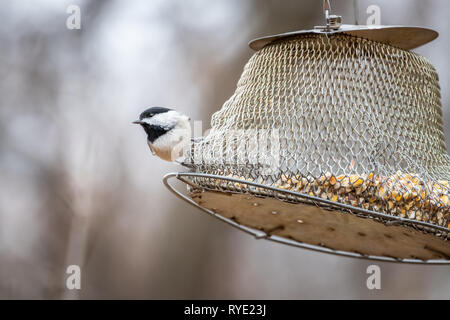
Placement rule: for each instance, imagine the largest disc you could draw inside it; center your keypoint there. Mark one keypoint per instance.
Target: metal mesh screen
(338, 117)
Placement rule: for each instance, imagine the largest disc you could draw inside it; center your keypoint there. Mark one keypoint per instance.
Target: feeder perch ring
(336, 225)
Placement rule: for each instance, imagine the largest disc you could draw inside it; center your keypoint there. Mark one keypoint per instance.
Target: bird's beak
(138, 122)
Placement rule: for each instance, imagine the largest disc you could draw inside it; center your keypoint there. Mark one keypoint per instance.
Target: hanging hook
(333, 22)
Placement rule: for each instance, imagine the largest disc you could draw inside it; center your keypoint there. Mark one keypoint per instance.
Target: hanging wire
(356, 11)
(326, 11)
(326, 8)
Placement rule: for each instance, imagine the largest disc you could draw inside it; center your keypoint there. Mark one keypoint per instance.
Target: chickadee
(168, 132)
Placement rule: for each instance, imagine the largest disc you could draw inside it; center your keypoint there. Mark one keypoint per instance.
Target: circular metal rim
(258, 234)
(397, 36)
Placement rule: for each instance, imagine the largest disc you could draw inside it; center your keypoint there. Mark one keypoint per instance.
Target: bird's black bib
(154, 132)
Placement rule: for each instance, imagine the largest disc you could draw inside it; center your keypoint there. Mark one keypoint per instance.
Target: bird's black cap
(150, 112)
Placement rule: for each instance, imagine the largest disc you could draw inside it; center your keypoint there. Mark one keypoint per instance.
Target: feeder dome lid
(403, 37)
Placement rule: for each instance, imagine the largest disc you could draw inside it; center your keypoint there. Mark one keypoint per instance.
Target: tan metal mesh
(338, 117)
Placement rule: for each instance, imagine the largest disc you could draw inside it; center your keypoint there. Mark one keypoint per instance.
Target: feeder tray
(313, 223)
(333, 141)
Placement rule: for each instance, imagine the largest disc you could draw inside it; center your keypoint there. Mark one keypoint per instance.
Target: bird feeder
(332, 141)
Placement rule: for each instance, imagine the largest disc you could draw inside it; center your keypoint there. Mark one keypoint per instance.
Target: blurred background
(79, 185)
